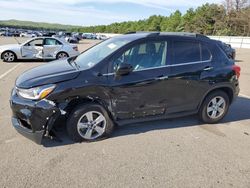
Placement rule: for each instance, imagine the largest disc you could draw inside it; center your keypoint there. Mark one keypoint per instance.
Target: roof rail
(130, 32)
(148, 33)
(179, 34)
(202, 36)
(152, 34)
(156, 33)
(196, 35)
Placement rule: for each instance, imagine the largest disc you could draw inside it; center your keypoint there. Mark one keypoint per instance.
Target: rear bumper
(73, 53)
(35, 136)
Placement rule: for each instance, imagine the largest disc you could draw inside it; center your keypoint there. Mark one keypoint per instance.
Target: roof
(138, 35)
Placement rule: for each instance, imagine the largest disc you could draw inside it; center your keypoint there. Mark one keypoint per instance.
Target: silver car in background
(38, 48)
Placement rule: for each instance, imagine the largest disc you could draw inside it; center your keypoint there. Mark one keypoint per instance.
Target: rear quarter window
(205, 53)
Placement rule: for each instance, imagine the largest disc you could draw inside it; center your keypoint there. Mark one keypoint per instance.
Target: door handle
(208, 68)
(162, 77)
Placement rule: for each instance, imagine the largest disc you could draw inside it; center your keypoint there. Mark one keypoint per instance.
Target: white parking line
(243, 95)
(7, 72)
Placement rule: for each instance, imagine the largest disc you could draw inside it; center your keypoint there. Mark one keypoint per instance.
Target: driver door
(143, 92)
(33, 49)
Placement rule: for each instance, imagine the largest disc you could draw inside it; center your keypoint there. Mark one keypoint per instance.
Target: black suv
(126, 79)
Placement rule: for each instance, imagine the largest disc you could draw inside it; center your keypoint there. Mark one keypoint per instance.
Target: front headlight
(36, 93)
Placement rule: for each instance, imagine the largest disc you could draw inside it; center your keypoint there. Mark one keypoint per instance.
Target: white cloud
(150, 3)
(80, 12)
(56, 12)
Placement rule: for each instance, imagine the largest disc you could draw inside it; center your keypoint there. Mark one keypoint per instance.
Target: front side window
(36, 42)
(151, 54)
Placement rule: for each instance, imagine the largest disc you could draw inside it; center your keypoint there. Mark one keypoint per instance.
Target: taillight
(237, 69)
(75, 48)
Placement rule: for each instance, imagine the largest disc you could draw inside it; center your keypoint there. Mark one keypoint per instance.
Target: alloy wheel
(8, 56)
(62, 56)
(216, 107)
(91, 125)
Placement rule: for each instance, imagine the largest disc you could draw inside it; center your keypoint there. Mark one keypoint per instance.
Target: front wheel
(9, 56)
(214, 107)
(89, 122)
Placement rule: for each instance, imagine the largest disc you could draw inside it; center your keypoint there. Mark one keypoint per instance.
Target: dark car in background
(126, 79)
(10, 34)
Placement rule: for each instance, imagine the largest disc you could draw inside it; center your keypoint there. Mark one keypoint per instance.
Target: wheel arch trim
(77, 101)
(227, 88)
(8, 51)
(61, 51)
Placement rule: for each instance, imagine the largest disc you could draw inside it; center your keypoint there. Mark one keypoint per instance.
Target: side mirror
(124, 69)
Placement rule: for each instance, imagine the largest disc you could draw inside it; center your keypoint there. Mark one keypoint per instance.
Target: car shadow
(238, 61)
(239, 111)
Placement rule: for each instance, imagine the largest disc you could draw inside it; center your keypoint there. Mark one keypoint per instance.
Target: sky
(92, 12)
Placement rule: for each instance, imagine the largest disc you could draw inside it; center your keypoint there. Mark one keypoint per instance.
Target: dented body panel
(43, 51)
(33, 117)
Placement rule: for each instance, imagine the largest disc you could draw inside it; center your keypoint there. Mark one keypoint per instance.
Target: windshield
(97, 53)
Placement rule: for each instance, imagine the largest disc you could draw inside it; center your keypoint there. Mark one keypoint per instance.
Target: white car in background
(39, 48)
(101, 37)
(29, 35)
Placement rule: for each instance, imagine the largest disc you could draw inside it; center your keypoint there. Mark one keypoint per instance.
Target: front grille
(25, 124)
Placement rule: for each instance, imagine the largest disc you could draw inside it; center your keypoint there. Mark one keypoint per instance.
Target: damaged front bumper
(33, 119)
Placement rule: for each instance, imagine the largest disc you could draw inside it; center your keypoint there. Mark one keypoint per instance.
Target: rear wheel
(214, 107)
(89, 122)
(62, 55)
(9, 56)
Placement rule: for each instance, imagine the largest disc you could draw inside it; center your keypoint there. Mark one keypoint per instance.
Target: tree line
(231, 18)
(36, 25)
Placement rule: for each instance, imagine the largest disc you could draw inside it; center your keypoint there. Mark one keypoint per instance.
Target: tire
(62, 55)
(9, 56)
(79, 127)
(214, 107)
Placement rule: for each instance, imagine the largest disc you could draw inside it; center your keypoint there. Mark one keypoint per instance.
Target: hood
(9, 46)
(53, 72)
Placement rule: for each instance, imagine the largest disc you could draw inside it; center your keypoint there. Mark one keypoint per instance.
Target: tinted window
(143, 56)
(206, 54)
(52, 42)
(186, 52)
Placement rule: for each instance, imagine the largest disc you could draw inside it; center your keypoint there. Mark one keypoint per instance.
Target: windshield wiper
(72, 61)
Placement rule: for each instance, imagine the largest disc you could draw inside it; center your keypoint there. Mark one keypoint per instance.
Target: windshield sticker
(111, 45)
(90, 64)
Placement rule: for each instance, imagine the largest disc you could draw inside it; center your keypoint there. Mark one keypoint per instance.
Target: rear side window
(190, 52)
(52, 42)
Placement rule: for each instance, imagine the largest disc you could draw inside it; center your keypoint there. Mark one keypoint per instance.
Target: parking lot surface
(171, 153)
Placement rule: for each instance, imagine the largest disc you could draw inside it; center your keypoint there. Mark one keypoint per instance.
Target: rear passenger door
(189, 60)
(51, 47)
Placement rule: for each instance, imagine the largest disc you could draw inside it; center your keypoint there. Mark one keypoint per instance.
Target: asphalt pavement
(171, 153)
